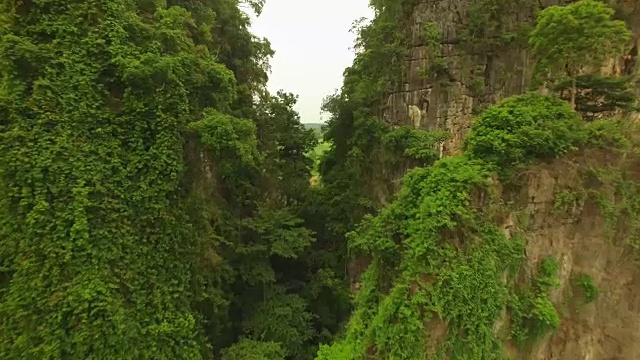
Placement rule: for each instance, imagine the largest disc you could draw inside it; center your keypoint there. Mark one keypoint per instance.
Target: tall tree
(597, 95)
(568, 39)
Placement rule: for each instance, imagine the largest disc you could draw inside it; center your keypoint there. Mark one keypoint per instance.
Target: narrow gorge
(476, 195)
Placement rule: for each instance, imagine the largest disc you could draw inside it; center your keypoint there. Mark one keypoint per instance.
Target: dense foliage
(152, 192)
(523, 128)
(96, 241)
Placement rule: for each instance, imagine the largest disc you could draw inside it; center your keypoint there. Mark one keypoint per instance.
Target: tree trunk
(573, 93)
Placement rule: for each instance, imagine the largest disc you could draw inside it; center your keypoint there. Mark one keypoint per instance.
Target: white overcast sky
(312, 46)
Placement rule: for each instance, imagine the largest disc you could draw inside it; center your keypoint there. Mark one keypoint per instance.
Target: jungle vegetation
(157, 202)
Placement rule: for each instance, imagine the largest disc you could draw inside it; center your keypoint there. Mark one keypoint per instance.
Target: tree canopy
(568, 39)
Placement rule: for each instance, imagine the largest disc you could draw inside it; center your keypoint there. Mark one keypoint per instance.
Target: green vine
(619, 202)
(435, 64)
(532, 313)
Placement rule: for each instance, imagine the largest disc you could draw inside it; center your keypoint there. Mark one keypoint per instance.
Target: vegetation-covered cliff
(480, 259)
(523, 243)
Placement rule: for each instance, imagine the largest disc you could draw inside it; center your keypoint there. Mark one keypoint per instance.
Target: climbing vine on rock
(457, 280)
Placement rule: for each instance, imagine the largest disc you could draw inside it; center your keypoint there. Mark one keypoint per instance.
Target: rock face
(575, 235)
(478, 69)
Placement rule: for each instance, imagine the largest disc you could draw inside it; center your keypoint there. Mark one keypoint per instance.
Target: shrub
(415, 144)
(589, 288)
(523, 128)
(609, 134)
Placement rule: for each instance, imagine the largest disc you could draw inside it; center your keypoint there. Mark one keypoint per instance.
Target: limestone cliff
(483, 58)
(568, 212)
